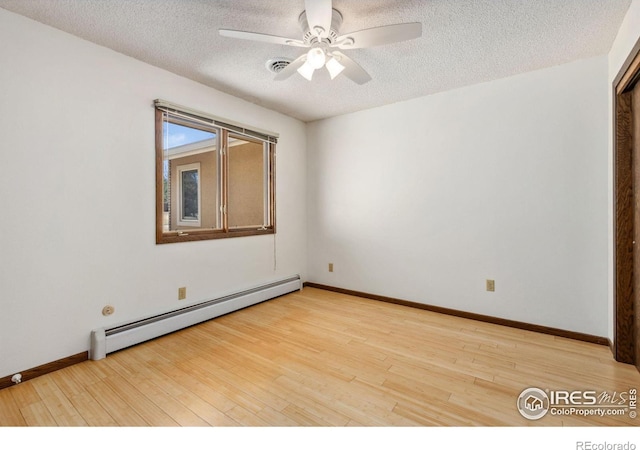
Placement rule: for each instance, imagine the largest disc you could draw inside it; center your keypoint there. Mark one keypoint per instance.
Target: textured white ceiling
(464, 42)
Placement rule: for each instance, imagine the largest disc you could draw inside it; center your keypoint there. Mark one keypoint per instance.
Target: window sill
(202, 235)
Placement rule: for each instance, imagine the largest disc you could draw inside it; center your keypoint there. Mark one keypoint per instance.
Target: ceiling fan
(320, 24)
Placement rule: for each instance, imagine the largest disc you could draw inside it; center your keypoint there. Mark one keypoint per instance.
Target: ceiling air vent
(275, 65)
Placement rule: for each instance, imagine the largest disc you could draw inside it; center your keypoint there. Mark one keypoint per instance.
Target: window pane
(248, 177)
(190, 190)
(191, 186)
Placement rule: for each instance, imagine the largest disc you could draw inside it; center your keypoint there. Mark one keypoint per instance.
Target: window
(189, 195)
(214, 179)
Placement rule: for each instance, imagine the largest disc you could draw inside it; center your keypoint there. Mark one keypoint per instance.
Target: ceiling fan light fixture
(316, 58)
(306, 70)
(321, 39)
(334, 67)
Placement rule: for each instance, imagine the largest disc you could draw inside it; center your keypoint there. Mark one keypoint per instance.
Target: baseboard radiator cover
(108, 340)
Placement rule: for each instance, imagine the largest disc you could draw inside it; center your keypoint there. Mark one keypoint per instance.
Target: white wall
(424, 200)
(77, 195)
(628, 36)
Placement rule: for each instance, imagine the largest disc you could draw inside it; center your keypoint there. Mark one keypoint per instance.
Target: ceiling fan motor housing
(310, 37)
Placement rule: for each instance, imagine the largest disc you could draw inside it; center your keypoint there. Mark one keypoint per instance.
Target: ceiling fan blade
(352, 69)
(262, 38)
(291, 68)
(319, 14)
(372, 37)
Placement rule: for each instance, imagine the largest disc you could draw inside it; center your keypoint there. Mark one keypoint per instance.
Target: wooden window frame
(174, 236)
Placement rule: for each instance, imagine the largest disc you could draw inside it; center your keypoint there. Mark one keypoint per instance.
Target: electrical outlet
(182, 293)
(330, 267)
(491, 285)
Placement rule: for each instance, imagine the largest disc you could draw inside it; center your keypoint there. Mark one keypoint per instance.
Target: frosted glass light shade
(334, 68)
(306, 70)
(316, 58)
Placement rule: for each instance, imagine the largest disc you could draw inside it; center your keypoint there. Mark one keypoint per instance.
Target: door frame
(624, 338)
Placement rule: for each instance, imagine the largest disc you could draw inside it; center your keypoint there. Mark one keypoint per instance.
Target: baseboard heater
(108, 340)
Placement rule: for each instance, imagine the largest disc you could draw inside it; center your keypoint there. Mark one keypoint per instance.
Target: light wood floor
(318, 358)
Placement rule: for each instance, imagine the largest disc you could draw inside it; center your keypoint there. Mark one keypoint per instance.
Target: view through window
(212, 182)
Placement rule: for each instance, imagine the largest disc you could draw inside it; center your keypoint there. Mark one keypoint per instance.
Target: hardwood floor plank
(246, 417)
(92, 412)
(303, 417)
(10, 415)
(118, 408)
(271, 416)
(146, 408)
(38, 415)
(153, 399)
(61, 409)
(194, 396)
(24, 394)
(318, 404)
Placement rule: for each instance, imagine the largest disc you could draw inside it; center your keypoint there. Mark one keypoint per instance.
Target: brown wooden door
(627, 214)
(635, 138)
